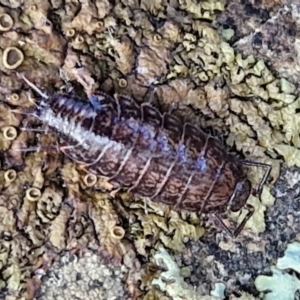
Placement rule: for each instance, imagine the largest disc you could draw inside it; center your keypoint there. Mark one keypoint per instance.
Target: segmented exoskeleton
(148, 153)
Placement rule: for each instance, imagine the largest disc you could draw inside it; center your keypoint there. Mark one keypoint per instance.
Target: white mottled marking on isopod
(75, 131)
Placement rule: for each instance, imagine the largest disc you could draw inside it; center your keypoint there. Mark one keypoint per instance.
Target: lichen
(6, 22)
(48, 204)
(171, 280)
(12, 58)
(218, 290)
(87, 278)
(151, 224)
(291, 258)
(282, 285)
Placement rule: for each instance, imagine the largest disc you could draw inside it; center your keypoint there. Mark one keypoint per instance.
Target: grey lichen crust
(85, 278)
(193, 54)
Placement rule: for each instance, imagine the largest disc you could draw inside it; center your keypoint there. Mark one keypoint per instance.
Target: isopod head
(241, 194)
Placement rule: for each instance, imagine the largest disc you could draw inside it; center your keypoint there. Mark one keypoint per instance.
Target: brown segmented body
(149, 153)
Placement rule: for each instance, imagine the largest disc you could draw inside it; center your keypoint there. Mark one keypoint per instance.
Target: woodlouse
(148, 153)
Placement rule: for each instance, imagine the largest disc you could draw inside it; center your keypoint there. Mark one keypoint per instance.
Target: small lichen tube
(6, 22)
(118, 232)
(12, 58)
(9, 133)
(33, 194)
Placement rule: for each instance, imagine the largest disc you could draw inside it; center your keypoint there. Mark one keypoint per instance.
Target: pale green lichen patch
(282, 285)
(291, 258)
(172, 282)
(218, 290)
(279, 286)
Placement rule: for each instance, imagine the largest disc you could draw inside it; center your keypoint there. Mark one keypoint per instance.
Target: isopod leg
(39, 130)
(32, 85)
(41, 148)
(268, 167)
(150, 94)
(238, 230)
(249, 214)
(173, 106)
(221, 223)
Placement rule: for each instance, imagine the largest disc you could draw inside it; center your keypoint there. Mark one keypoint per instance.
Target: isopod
(150, 154)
